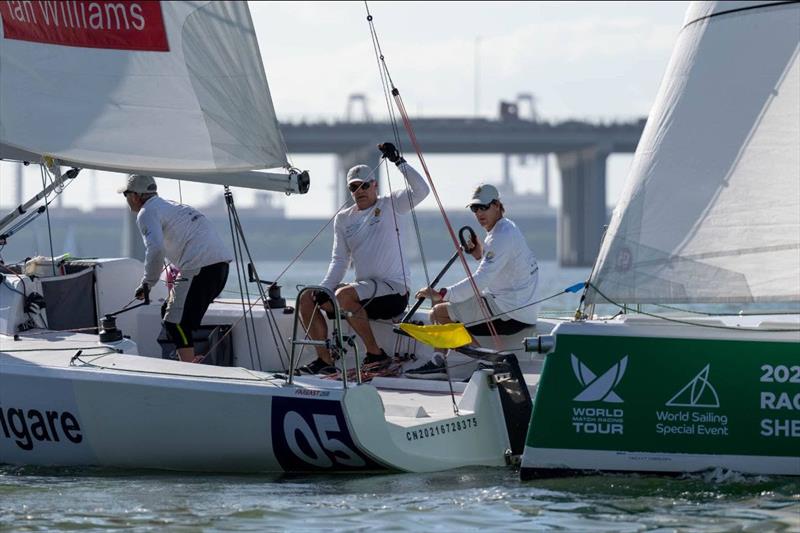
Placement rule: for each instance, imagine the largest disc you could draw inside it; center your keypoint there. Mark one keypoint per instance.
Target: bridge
(581, 149)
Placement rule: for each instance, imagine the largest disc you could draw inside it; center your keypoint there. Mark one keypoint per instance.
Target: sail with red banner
(97, 24)
(147, 86)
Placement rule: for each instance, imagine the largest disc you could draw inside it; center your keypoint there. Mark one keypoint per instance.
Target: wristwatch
(442, 292)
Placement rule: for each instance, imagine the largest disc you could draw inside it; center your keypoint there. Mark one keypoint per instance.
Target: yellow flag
(439, 335)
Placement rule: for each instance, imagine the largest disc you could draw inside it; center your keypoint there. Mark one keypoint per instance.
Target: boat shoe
(433, 369)
(317, 366)
(376, 361)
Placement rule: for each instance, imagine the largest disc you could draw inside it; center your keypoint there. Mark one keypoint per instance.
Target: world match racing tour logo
(137, 26)
(598, 420)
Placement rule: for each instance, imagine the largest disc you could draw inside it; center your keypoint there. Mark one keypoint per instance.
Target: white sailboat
(710, 215)
(178, 90)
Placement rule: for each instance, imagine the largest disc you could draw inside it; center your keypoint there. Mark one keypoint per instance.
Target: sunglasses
(364, 185)
(480, 207)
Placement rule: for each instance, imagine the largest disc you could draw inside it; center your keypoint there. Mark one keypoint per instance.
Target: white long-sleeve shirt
(508, 271)
(367, 238)
(181, 234)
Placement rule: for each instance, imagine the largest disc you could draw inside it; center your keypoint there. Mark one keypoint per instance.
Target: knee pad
(180, 336)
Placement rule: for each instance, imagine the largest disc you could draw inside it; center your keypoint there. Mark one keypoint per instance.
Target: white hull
(132, 412)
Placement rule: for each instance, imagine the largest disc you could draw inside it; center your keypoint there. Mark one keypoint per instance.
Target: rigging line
(47, 212)
(401, 110)
(697, 324)
(268, 311)
(238, 275)
(91, 364)
(476, 322)
(240, 265)
(462, 256)
(271, 321)
(411, 134)
(294, 260)
(396, 228)
(180, 192)
(385, 78)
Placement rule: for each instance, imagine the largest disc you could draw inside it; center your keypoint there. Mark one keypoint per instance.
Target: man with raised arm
(367, 235)
(185, 238)
(506, 278)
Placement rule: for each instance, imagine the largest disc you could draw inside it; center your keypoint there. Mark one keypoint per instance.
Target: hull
(114, 410)
(644, 397)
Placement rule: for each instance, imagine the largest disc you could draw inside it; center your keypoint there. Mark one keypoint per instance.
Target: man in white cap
(506, 277)
(186, 238)
(368, 234)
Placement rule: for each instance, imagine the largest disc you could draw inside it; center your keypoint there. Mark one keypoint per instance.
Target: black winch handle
(126, 309)
(466, 243)
(252, 278)
(464, 246)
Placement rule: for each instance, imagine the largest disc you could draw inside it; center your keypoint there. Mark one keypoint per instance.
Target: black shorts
(204, 287)
(501, 327)
(385, 307)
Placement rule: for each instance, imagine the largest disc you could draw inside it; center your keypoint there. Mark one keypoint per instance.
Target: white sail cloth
(153, 86)
(711, 209)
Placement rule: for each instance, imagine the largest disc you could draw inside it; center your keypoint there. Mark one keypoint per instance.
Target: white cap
(484, 195)
(139, 183)
(359, 173)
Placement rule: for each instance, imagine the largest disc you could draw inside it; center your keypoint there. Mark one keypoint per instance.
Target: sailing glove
(391, 153)
(320, 297)
(141, 291)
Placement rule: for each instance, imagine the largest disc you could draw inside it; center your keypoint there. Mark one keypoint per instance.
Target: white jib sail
(155, 87)
(711, 209)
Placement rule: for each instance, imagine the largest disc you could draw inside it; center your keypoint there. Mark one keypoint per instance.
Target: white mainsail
(168, 88)
(711, 209)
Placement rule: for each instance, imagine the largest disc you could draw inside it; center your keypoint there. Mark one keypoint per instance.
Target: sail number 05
(319, 441)
(780, 374)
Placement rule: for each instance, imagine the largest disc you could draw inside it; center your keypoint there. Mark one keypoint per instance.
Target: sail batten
(178, 88)
(711, 209)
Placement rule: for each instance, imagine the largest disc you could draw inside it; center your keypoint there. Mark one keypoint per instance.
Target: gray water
(39, 499)
(35, 499)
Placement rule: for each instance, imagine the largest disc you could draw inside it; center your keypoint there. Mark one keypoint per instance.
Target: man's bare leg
(315, 324)
(186, 354)
(359, 321)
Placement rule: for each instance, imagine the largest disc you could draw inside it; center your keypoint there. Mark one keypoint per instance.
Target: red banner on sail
(121, 25)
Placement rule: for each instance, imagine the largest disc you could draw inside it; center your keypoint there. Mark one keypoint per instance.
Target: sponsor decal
(696, 394)
(120, 25)
(29, 426)
(312, 392)
(598, 388)
(780, 405)
(598, 420)
(438, 430)
(310, 434)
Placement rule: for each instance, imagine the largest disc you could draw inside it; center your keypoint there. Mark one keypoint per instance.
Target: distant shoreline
(99, 234)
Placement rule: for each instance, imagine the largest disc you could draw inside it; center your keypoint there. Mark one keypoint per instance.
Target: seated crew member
(366, 236)
(186, 238)
(506, 276)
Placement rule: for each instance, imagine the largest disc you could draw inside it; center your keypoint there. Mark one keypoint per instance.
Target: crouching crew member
(185, 238)
(506, 277)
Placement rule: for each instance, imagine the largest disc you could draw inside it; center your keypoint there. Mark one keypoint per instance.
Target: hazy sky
(584, 60)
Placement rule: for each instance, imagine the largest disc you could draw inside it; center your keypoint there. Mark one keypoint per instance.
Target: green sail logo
(598, 388)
